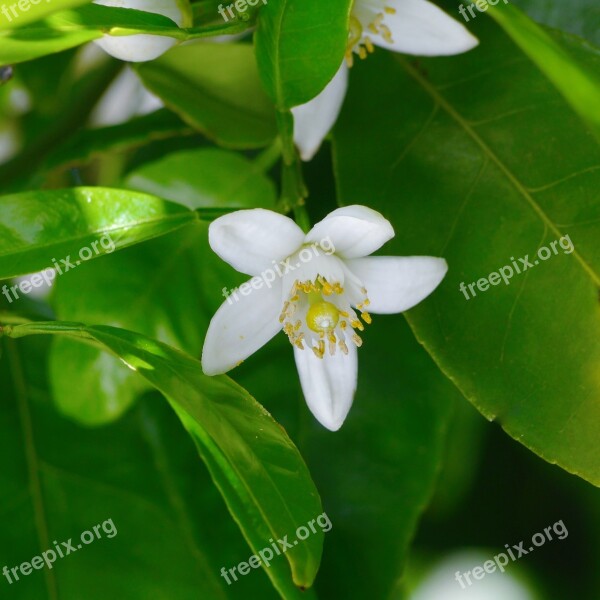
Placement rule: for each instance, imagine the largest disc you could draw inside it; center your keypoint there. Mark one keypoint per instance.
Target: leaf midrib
(512, 178)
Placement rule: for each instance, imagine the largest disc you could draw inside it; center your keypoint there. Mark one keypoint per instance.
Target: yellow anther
(322, 347)
(343, 347)
(366, 317)
(386, 34)
(357, 340)
(355, 33)
(389, 10)
(357, 325)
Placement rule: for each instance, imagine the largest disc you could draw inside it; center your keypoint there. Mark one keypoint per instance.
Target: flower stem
(266, 160)
(293, 189)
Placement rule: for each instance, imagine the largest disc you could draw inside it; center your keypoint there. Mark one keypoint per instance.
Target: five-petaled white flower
(409, 26)
(319, 303)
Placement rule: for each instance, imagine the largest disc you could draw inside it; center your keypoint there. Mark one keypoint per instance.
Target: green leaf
(88, 144)
(20, 45)
(215, 88)
(93, 387)
(580, 17)
(482, 179)
(300, 45)
(173, 531)
(579, 84)
(70, 28)
(17, 14)
(38, 228)
(219, 179)
(257, 468)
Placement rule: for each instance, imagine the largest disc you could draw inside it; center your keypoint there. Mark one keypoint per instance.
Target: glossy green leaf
(215, 88)
(41, 229)
(172, 533)
(219, 179)
(257, 468)
(300, 45)
(578, 83)
(478, 172)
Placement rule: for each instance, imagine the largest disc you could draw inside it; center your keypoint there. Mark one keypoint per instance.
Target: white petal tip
(332, 424)
(210, 366)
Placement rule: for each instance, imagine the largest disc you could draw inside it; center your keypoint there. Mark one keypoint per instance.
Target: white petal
(328, 384)
(417, 27)
(142, 47)
(313, 120)
(395, 284)
(353, 231)
(240, 327)
(251, 240)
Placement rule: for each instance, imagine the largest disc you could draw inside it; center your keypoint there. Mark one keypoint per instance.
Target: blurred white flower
(319, 303)
(409, 26)
(141, 47)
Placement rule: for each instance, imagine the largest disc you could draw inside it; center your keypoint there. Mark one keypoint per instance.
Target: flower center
(319, 314)
(362, 44)
(322, 316)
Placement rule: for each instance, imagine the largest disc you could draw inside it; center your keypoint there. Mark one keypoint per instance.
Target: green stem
(266, 160)
(23, 327)
(293, 189)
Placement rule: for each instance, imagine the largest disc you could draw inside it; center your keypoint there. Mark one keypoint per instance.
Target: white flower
(408, 26)
(141, 47)
(318, 301)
